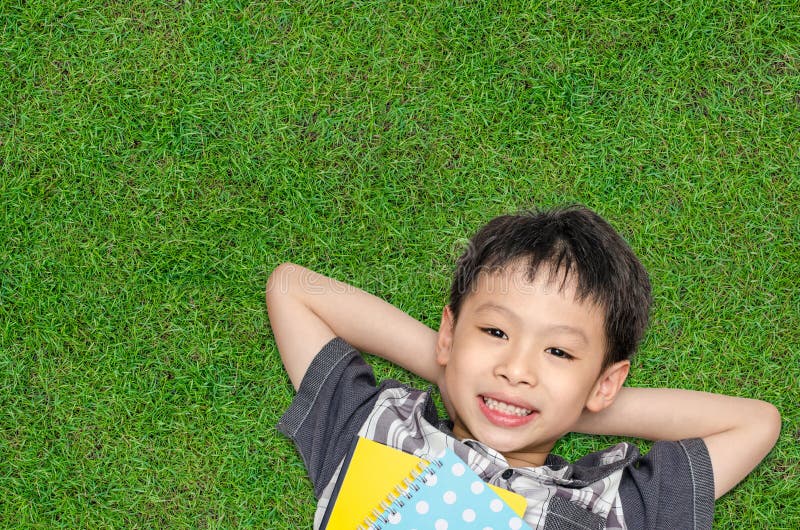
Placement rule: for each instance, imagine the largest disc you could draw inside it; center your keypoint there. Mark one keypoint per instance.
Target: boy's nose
(517, 368)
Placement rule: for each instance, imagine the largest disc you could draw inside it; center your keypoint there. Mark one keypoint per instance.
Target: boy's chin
(506, 442)
(514, 448)
(525, 456)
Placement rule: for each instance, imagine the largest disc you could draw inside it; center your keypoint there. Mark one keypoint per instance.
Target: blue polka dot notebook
(386, 489)
(447, 495)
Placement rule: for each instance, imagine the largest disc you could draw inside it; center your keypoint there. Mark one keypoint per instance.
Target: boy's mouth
(506, 408)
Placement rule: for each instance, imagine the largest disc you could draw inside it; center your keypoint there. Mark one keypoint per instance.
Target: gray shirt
(670, 487)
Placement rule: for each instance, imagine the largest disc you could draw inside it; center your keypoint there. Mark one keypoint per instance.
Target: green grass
(158, 159)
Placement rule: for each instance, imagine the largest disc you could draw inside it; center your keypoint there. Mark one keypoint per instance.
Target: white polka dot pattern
(454, 497)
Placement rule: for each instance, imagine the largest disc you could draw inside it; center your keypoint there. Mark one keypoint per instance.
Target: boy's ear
(444, 340)
(607, 386)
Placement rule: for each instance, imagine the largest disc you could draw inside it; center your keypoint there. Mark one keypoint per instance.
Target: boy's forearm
(365, 321)
(662, 414)
(738, 432)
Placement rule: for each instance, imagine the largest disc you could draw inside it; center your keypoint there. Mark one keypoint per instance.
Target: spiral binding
(379, 517)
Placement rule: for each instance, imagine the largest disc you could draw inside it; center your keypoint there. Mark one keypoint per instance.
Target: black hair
(572, 242)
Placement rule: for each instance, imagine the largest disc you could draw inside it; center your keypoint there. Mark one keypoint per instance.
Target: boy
(545, 312)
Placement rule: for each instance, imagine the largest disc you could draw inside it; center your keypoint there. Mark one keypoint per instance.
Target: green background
(159, 159)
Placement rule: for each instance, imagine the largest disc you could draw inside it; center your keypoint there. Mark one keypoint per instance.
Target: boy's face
(522, 363)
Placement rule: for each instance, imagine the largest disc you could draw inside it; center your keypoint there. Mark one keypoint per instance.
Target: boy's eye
(556, 352)
(494, 332)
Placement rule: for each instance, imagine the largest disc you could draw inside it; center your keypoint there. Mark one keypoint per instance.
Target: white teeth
(505, 407)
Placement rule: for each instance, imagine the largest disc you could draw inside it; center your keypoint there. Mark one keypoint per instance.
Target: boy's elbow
(771, 418)
(765, 426)
(280, 282)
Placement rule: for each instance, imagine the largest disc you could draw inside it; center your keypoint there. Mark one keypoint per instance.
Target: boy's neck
(514, 458)
(525, 459)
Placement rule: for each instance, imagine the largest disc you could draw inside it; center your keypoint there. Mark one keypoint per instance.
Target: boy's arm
(738, 432)
(306, 310)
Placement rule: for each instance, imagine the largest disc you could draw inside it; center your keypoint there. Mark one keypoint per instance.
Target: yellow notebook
(375, 478)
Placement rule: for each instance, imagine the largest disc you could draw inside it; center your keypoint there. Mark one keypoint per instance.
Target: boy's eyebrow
(557, 328)
(571, 330)
(491, 306)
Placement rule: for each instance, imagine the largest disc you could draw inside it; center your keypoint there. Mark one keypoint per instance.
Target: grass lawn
(159, 159)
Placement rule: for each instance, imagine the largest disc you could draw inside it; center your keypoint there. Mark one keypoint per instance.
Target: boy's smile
(504, 413)
(522, 363)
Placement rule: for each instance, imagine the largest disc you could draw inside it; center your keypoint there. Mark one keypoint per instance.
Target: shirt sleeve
(335, 397)
(670, 487)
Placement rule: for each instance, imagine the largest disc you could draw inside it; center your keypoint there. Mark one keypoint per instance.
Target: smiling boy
(521, 362)
(545, 311)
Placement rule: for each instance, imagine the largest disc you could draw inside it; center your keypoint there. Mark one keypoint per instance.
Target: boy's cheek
(448, 404)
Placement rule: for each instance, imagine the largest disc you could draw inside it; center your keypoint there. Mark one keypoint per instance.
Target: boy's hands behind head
(299, 332)
(738, 432)
(307, 310)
